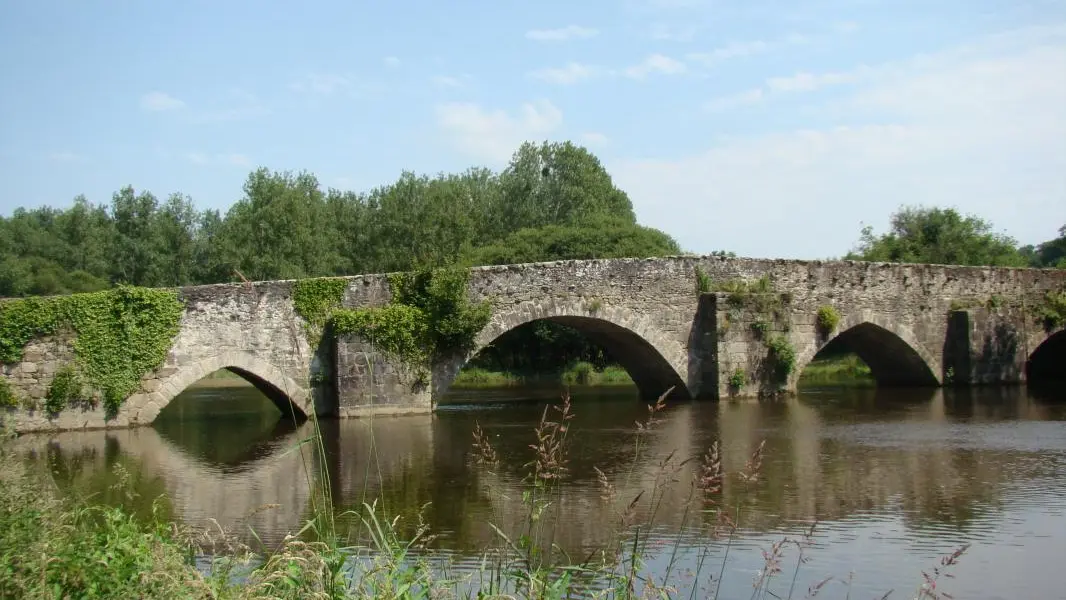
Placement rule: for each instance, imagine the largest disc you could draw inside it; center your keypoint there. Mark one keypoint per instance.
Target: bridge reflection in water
(894, 478)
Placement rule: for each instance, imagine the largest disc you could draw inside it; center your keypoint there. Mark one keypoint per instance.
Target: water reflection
(893, 478)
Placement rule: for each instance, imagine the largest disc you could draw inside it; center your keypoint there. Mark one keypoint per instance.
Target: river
(894, 479)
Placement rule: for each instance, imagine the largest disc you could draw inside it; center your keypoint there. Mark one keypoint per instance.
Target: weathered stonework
(904, 320)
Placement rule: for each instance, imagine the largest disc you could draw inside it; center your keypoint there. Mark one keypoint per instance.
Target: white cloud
(494, 135)
(595, 138)
(225, 159)
(237, 105)
(570, 32)
(808, 82)
(666, 33)
(160, 101)
(656, 63)
(447, 81)
(391, 61)
(568, 74)
(747, 97)
(322, 83)
(980, 128)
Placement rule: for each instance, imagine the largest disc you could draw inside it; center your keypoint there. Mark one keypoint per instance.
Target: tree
(938, 236)
(557, 184)
(1049, 254)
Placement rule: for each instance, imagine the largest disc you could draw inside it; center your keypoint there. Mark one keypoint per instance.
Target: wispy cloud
(321, 83)
(450, 81)
(595, 138)
(160, 101)
(236, 105)
(972, 125)
(568, 74)
(656, 63)
(562, 34)
(493, 135)
(223, 159)
(331, 84)
(666, 33)
(808, 82)
(391, 61)
(747, 97)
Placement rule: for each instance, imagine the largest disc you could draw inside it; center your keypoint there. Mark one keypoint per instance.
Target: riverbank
(847, 370)
(582, 373)
(55, 541)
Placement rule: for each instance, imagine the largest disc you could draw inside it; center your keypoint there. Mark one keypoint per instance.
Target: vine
(65, 390)
(8, 399)
(782, 355)
(120, 334)
(1053, 311)
(315, 300)
(430, 315)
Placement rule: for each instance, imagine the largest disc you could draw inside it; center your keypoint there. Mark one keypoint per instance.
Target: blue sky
(772, 129)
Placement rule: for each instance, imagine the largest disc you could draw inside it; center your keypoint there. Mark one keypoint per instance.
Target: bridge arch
(653, 360)
(281, 389)
(1047, 363)
(893, 352)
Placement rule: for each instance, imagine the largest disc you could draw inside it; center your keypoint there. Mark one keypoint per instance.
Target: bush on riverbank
(581, 373)
(846, 370)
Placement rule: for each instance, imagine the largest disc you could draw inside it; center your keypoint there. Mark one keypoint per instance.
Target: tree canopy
(938, 236)
(553, 201)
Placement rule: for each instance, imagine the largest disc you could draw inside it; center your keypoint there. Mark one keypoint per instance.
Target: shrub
(828, 319)
(65, 390)
(782, 356)
(737, 379)
(8, 399)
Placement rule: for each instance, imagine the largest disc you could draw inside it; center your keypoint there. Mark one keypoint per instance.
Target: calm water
(895, 480)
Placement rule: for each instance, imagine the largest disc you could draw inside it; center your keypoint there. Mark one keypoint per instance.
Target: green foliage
(737, 379)
(1050, 254)
(315, 300)
(430, 315)
(703, 281)
(8, 398)
(594, 305)
(760, 328)
(938, 236)
(580, 374)
(121, 333)
(65, 390)
(395, 329)
(828, 319)
(1053, 311)
(782, 357)
(605, 237)
(51, 548)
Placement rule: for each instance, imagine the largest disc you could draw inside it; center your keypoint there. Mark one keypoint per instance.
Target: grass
(847, 370)
(70, 547)
(581, 373)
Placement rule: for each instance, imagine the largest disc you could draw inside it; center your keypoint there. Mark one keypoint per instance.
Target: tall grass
(52, 547)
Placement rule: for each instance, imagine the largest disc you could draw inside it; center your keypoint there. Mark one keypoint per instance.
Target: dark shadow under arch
(288, 409)
(650, 371)
(1047, 364)
(892, 361)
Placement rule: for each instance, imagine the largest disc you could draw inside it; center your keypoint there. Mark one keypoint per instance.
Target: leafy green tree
(280, 229)
(556, 184)
(596, 238)
(1051, 253)
(938, 236)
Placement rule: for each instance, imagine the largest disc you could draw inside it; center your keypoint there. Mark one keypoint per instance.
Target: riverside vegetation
(58, 545)
(553, 201)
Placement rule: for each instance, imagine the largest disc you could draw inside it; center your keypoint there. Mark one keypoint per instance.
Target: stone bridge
(705, 327)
